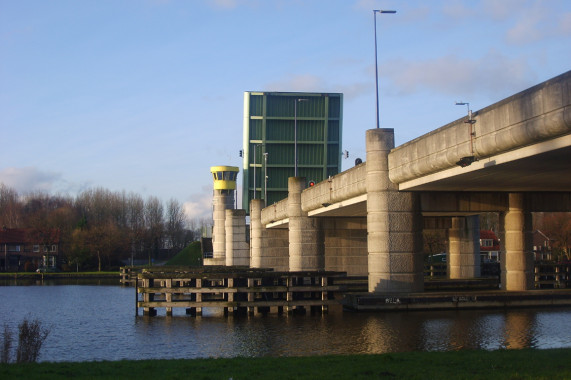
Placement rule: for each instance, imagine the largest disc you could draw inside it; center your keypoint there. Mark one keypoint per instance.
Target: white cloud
(305, 83)
(528, 28)
(367, 4)
(501, 10)
(200, 207)
(455, 75)
(355, 90)
(224, 4)
(29, 179)
(312, 83)
(457, 10)
(564, 26)
(536, 23)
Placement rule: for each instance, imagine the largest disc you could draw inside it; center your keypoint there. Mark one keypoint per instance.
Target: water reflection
(97, 322)
(519, 330)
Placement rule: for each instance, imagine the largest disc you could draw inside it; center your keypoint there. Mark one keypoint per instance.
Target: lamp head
(466, 161)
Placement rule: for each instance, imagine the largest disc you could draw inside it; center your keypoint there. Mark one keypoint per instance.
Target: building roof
(26, 236)
(541, 240)
(489, 235)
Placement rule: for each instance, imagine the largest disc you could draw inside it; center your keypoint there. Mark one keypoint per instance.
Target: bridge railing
(343, 186)
(531, 116)
(275, 212)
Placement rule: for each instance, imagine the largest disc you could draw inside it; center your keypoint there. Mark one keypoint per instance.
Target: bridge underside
(539, 168)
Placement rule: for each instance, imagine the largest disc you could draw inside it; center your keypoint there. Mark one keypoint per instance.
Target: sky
(144, 96)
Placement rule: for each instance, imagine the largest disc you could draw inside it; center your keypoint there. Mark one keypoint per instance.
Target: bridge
(512, 158)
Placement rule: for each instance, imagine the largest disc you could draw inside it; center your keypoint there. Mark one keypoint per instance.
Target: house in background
(24, 249)
(489, 246)
(542, 246)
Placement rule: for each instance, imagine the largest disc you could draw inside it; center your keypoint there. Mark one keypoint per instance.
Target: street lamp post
(255, 163)
(375, 11)
(295, 135)
(468, 160)
(266, 177)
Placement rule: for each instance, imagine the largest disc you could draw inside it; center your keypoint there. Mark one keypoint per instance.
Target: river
(96, 321)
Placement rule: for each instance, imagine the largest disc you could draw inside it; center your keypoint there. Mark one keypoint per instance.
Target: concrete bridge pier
(306, 249)
(237, 250)
(464, 247)
(517, 266)
(394, 224)
(256, 232)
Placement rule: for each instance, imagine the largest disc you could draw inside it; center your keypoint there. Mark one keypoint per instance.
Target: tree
(434, 241)
(174, 226)
(10, 207)
(557, 226)
(154, 227)
(136, 224)
(490, 221)
(94, 218)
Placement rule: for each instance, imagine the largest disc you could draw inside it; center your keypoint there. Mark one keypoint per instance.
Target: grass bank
(489, 365)
(191, 255)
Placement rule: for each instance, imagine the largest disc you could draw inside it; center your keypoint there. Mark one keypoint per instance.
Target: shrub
(6, 345)
(31, 337)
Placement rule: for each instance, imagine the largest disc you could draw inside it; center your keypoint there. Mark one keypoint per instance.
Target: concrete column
(275, 249)
(394, 224)
(305, 240)
(237, 250)
(502, 255)
(464, 247)
(518, 244)
(256, 233)
(222, 200)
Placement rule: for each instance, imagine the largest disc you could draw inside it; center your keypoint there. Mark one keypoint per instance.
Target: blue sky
(145, 95)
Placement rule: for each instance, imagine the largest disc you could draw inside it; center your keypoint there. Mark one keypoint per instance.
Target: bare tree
(84, 225)
(557, 226)
(174, 226)
(10, 207)
(434, 241)
(154, 226)
(136, 224)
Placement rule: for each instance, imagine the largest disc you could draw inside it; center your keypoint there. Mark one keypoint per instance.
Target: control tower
(223, 199)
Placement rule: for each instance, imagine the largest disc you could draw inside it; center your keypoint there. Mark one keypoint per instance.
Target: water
(98, 322)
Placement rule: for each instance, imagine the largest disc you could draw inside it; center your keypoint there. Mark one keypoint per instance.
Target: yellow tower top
(224, 177)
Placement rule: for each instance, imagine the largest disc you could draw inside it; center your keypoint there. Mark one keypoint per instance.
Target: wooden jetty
(128, 275)
(236, 289)
(552, 275)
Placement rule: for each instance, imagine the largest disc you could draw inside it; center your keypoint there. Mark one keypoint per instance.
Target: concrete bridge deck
(522, 144)
(511, 158)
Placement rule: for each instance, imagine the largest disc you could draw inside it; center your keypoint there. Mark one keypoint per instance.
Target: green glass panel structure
(280, 125)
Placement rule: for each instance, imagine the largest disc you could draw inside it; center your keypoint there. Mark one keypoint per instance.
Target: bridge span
(512, 157)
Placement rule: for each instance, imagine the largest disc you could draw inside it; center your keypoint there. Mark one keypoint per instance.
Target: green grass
(191, 255)
(489, 365)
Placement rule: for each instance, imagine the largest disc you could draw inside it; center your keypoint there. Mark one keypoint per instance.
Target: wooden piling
(238, 290)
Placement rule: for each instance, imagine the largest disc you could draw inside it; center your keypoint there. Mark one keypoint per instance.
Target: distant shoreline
(60, 275)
